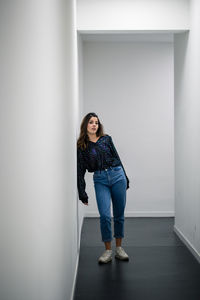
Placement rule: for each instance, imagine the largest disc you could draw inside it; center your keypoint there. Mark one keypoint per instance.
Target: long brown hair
(83, 139)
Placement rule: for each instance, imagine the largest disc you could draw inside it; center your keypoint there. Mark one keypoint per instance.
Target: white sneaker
(105, 257)
(121, 254)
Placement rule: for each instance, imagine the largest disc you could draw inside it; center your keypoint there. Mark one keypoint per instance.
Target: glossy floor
(160, 267)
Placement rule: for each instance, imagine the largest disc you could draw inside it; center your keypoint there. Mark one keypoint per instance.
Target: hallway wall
(130, 86)
(81, 206)
(187, 128)
(38, 119)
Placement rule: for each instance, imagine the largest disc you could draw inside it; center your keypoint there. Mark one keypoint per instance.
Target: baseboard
(80, 229)
(132, 214)
(75, 277)
(77, 262)
(187, 243)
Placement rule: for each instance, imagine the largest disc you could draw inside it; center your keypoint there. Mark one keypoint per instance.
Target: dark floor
(160, 267)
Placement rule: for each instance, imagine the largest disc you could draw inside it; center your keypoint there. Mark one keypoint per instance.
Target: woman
(96, 153)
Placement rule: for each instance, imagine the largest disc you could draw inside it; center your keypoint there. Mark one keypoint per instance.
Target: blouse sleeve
(117, 155)
(81, 169)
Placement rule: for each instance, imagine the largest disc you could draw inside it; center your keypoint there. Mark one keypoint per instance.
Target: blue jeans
(111, 184)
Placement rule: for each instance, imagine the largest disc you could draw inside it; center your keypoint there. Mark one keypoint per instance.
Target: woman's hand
(84, 201)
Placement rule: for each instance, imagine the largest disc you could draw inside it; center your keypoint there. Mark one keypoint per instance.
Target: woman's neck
(92, 137)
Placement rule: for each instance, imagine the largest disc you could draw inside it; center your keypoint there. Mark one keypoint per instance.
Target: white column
(38, 150)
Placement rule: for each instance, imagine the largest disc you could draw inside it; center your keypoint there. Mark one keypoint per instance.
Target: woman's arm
(81, 169)
(117, 155)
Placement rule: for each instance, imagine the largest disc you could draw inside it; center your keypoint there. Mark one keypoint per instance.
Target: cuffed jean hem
(116, 237)
(107, 240)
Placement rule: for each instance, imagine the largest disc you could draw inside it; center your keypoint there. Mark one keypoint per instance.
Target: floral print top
(97, 156)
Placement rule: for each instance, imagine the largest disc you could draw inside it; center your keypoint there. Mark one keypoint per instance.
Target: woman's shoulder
(107, 136)
(80, 150)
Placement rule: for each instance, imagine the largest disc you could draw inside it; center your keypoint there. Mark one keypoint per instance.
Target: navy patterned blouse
(98, 156)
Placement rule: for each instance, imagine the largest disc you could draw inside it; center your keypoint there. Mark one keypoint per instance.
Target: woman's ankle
(107, 245)
(118, 242)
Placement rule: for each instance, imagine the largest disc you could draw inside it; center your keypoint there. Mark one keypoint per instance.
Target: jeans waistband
(109, 168)
(102, 170)
(106, 169)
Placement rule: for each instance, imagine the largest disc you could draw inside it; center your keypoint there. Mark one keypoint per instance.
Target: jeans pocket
(117, 168)
(97, 176)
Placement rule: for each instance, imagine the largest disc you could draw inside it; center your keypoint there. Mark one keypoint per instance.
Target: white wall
(187, 128)
(108, 15)
(38, 150)
(81, 206)
(130, 86)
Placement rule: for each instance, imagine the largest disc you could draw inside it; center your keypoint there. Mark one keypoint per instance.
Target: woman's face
(93, 125)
